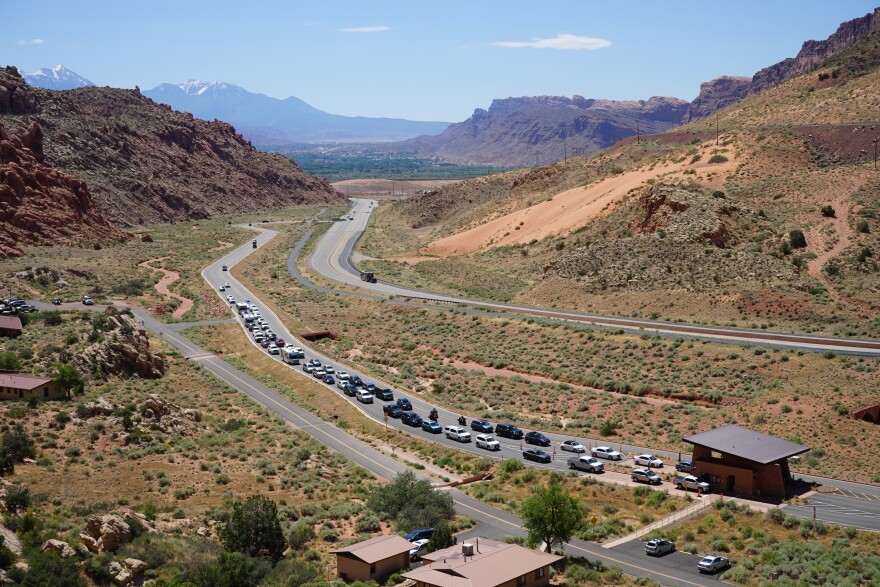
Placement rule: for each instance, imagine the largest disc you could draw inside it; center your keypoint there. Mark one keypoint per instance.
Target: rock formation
(105, 533)
(716, 94)
(125, 350)
(63, 549)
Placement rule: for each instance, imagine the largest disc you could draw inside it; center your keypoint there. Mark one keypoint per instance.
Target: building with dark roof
(10, 326)
(733, 459)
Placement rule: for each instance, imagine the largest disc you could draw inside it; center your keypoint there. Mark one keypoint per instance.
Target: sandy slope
(564, 213)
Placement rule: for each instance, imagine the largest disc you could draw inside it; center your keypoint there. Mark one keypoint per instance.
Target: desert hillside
(146, 163)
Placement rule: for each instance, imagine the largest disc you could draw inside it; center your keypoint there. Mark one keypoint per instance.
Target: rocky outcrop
(40, 205)
(125, 350)
(169, 417)
(716, 94)
(516, 131)
(146, 163)
(105, 533)
(126, 573)
(688, 216)
(61, 548)
(99, 407)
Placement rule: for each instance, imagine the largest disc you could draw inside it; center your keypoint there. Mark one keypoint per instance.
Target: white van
(364, 396)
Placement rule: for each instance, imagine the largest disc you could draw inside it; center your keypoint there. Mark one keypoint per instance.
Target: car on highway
(230, 298)
(315, 362)
(222, 288)
(343, 375)
(279, 342)
(646, 476)
(659, 547)
(585, 463)
(508, 431)
(457, 433)
(297, 352)
(573, 446)
(350, 390)
(56, 301)
(713, 563)
(411, 418)
(87, 301)
(606, 452)
(420, 534)
(648, 461)
(227, 286)
(225, 268)
(273, 350)
(419, 548)
(356, 381)
(684, 466)
(309, 368)
(341, 383)
(364, 396)
(319, 373)
(330, 369)
(386, 395)
(488, 442)
(536, 438)
(482, 426)
(271, 336)
(432, 427)
(371, 387)
(404, 404)
(392, 410)
(265, 343)
(537, 455)
(328, 379)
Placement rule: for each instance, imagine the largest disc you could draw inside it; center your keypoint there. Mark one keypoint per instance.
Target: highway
(332, 259)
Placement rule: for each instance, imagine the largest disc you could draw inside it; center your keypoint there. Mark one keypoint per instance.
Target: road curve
(332, 259)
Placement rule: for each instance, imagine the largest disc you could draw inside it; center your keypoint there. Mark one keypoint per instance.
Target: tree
(68, 378)
(9, 361)
(442, 537)
(254, 528)
(412, 502)
(17, 499)
(15, 447)
(796, 236)
(552, 516)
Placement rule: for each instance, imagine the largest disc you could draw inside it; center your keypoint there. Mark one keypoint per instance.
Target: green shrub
(828, 211)
(797, 239)
(717, 159)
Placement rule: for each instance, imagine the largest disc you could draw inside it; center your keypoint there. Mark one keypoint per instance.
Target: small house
(10, 326)
(17, 386)
(373, 559)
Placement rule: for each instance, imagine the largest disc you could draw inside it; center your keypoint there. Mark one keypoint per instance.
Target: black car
(386, 395)
(393, 410)
(356, 381)
(537, 455)
(404, 403)
(424, 533)
(411, 418)
(56, 301)
(350, 390)
(508, 431)
(537, 438)
(482, 426)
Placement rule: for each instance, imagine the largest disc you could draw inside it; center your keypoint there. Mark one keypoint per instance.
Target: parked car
(386, 395)
(87, 301)
(350, 390)
(648, 461)
(328, 379)
(585, 463)
(432, 427)
(508, 431)
(421, 534)
(606, 452)
(364, 396)
(392, 410)
(659, 546)
(26, 308)
(56, 301)
(404, 404)
(411, 419)
(458, 433)
(537, 455)
(488, 442)
(713, 564)
(646, 476)
(684, 466)
(573, 446)
(537, 438)
(482, 426)
(419, 548)
(691, 482)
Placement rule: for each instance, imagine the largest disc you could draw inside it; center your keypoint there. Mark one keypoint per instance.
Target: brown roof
(378, 548)
(747, 444)
(493, 563)
(10, 323)
(25, 382)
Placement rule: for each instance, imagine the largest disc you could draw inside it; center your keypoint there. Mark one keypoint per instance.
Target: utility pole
(536, 159)
(638, 134)
(875, 153)
(716, 130)
(566, 152)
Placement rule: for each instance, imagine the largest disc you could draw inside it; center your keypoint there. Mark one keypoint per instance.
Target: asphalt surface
(332, 254)
(847, 508)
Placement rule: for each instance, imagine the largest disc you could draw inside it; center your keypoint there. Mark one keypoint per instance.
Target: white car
(648, 461)
(273, 350)
(419, 548)
(341, 384)
(488, 442)
(606, 452)
(222, 288)
(343, 376)
(573, 446)
(256, 313)
(458, 433)
(230, 299)
(364, 396)
(713, 564)
(329, 370)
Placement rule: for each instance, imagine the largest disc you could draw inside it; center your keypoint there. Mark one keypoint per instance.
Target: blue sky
(414, 59)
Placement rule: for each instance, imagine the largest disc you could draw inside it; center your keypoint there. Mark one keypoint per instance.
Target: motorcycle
(462, 421)
(433, 415)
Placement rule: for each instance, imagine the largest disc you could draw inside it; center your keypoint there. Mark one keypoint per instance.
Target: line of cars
(11, 306)
(710, 563)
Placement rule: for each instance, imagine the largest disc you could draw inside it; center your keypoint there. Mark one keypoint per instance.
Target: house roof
(26, 382)
(10, 323)
(377, 549)
(747, 444)
(493, 563)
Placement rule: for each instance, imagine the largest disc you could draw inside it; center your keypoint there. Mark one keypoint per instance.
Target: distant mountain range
(56, 78)
(266, 121)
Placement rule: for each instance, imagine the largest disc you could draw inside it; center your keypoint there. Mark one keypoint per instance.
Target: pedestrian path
(695, 508)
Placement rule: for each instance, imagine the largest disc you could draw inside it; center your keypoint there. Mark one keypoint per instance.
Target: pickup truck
(691, 482)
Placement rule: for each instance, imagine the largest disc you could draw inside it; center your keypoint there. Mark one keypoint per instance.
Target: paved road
(847, 508)
(332, 255)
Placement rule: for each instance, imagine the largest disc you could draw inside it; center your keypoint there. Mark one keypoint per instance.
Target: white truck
(691, 482)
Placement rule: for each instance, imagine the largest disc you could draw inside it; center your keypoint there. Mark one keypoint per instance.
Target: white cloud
(561, 41)
(31, 42)
(366, 29)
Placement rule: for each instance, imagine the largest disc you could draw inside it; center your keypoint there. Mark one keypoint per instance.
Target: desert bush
(797, 239)
(717, 159)
(828, 211)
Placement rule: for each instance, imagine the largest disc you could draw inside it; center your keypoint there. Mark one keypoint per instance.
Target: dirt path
(168, 278)
(566, 211)
(834, 235)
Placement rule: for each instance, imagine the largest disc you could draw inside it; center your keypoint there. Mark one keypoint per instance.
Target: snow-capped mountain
(56, 78)
(265, 120)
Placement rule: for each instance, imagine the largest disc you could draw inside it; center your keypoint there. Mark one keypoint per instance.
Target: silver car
(659, 546)
(488, 442)
(713, 564)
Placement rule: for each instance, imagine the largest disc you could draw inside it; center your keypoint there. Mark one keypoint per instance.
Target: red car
(265, 343)
(279, 342)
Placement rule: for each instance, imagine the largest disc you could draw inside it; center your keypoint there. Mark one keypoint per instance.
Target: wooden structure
(375, 558)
